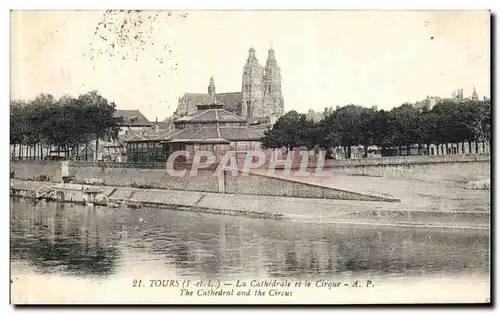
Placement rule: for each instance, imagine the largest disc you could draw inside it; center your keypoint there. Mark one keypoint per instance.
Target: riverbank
(370, 213)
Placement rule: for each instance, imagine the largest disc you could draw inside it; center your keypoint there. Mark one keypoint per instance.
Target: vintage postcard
(250, 157)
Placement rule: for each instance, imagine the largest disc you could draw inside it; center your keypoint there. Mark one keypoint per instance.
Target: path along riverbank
(369, 213)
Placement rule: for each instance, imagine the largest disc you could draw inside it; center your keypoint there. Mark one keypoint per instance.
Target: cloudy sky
(329, 58)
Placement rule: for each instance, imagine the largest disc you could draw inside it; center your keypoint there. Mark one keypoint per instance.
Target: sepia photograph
(338, 157)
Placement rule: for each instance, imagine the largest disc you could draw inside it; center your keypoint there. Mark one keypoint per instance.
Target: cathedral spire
(474, 94)
(271, 53)
(271, 68)
(251, 56)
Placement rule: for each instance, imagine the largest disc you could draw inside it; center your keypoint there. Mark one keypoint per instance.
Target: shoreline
(341, 212)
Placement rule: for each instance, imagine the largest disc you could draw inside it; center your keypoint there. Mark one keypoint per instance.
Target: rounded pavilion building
(209, 128)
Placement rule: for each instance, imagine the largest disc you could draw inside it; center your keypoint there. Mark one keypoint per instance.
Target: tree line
(67, 123)
(447, 123)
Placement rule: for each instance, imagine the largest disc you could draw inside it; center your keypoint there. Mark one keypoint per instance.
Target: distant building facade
(260, 99)
(133, 121)
(428, 102)
(456, 96)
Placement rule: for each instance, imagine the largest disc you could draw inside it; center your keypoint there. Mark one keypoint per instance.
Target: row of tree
(446, 123)
(67, 123)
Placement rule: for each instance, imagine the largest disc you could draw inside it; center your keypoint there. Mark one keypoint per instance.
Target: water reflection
(71, 239)
(55, 238)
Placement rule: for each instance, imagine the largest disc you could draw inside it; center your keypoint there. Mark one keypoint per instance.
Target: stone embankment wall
(427, 168)
(257, 184)
(36, 170)
(143, 178)
(443, 168)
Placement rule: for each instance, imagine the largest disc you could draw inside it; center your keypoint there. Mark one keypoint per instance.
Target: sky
(327, 58)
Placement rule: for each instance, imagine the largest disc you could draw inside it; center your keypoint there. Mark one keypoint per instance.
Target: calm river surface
(57, 240)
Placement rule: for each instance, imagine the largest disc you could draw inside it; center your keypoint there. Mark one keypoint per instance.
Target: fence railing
(104, 164)
(186, 164)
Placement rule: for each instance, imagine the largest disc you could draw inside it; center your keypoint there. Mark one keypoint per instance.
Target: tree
(306, 132)
(17, 124)
(61, 128)
(343, 126)
(404, 126)
(481, 122)
(292, 130)
(430, 132)
(463, 124)
(101, 117)
(367, 128)
(64, 123)
(382, 132)
(38, 114)
(403, 129)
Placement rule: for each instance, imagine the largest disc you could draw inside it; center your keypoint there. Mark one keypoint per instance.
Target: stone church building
(260, 99)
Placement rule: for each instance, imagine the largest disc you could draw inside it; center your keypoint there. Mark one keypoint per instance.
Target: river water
(65, 243)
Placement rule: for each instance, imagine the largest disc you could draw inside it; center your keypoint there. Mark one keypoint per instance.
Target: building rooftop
(206, 114)
(231, 101)
(132, 118)
(212, 134)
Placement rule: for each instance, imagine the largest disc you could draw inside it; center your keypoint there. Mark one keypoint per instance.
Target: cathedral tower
(271, 82)
(251, 102)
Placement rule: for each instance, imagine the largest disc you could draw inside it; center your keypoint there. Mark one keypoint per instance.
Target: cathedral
(260, 99)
